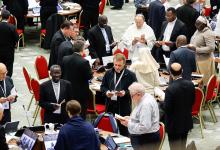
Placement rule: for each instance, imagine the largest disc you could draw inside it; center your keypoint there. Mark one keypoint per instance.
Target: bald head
(176, 69)
(181, 40)
(3, 71)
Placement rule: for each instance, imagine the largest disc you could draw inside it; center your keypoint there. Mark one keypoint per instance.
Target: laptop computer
(11, 127)
(28, 139)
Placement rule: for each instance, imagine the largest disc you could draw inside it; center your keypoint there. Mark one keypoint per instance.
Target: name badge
(114, 97)
(5, 105)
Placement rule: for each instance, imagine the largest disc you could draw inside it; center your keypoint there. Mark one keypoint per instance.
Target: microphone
(26, 116)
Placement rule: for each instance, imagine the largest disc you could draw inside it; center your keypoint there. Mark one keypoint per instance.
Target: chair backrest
(197, 106)
(27, 79)
(12, 20)
(79, 21)
(35, 86)
(102, 6)
(41, 67)
(42, 115)
(106, 122)
(210, 88)
(125, 52)
(162, 135)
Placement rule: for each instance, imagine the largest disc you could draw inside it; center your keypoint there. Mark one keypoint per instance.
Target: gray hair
(78, 46)
(136, 88)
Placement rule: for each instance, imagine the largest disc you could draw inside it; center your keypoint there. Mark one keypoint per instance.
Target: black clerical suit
(156, 16)
(179, 99)
(178, 29)
(8, 40)
(57, 39)
(97, 42)
(65, 49)
(123, 104)
(18, 8)
(3, 144)
(77, 70)
(90, 14)
(6, 87)
(48, 7)
(47, 96)
(188, 15)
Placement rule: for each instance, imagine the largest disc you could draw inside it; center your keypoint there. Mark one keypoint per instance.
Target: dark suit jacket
(65, 49)
(47, 96)
(156, 16)
(77, 70)
(7, 113)
(178, 29)
(3, 144)
(8, 39)
(179, 98)
(215, 3)
(97, 42)
(123, 104)
(77, 134)
(57, 39)
(186, 58)
(17, 7)
(188, 15)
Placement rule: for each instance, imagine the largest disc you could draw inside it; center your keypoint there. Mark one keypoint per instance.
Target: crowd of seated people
(191, 49)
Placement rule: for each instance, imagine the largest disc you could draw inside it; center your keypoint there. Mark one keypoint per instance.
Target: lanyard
(116, 84)
(3, 88)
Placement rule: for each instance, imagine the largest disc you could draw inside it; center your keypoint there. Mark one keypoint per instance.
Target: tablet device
(11, 127)
(110, 143)
(28, 139)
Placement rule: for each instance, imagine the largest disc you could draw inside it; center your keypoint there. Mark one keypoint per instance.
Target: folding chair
(28, 81)
(197, 108)
(162, 135)
(41, 67)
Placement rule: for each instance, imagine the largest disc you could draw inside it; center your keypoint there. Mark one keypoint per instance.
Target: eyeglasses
(132, 95)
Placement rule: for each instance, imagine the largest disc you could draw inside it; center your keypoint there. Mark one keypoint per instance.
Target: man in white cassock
(138, 35)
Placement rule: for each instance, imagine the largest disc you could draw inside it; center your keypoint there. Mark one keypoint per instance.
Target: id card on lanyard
(114, 97)
(5, 104)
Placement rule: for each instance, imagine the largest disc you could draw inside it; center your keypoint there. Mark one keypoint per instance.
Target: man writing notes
(138, 35)
(115, 85)
(53, 97)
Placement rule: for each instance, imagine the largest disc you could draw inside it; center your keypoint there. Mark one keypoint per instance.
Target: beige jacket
(204, 41)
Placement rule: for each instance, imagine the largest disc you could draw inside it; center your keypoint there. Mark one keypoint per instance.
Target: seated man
(77, 134)
(53, 97)
(138, 35)
(143, 124)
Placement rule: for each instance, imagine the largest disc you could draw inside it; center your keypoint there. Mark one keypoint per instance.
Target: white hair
(136, 88)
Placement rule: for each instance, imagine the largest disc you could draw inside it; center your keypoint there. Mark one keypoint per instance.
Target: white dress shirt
(145, 116)
(56, 89)
(107, 45)
(167, 34)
